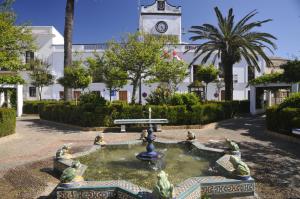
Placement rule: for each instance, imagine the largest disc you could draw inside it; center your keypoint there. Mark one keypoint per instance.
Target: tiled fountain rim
(216, 186)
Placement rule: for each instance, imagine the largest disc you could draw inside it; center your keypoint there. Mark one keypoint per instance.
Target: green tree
(68, 37)
(15, 40)
(41, 75)
(75, 77)
(207, 74)
(291, 71)
(112, 76)
(170, 72)
(231, 42)
(137, 54)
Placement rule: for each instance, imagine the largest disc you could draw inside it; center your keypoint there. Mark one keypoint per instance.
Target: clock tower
(161, 18)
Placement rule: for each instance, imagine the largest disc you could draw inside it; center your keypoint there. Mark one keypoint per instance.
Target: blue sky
(97, 21)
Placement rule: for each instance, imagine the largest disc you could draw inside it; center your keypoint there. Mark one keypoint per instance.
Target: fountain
(150, 154)
(154, 158)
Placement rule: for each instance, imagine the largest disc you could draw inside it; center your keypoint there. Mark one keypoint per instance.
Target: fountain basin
(120, 163)
(217, 186)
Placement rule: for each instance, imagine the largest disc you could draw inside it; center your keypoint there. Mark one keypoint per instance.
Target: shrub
(283, 120)
(92, 98)
(33, 107)
(159, 97)
(89, 115)
(7, 121)
(187, 99)
(293, 101)
(207, 113)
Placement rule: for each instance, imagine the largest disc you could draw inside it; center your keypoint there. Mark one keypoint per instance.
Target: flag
(176, 56)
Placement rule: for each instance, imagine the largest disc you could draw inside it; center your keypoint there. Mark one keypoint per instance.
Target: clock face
(161, 27)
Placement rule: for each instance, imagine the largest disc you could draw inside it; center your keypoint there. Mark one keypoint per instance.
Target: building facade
(160, 18)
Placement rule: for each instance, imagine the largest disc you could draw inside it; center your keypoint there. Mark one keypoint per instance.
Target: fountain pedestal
(150, 154)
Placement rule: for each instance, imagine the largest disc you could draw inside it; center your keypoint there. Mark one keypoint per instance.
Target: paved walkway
(35, 140)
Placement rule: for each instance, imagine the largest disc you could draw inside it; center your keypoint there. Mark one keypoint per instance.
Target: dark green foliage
(33, 107)
(7, 121)
(292, 101)
(159, 97)
(286, 116)
(89, 115)
(92, 98)
(8, 79)
(283, 120)
(268, 78)
(164, 97)
(291, 71)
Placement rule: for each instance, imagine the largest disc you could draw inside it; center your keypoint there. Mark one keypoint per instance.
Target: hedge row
(7, 121)
(33, 107)
(283, 120)
(89, 115)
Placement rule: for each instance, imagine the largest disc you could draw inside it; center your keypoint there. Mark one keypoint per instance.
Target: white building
(158, 18)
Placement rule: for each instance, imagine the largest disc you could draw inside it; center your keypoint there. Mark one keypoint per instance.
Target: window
(235, 79)
(76, 94)
(29, 56)
(32, 91)
(61, 94)
(161, 5)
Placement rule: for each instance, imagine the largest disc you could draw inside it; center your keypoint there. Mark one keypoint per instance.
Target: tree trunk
(206, 91)
(68, 36)
(140, 91)
(228, 79)
(110, 94)
(134, 84)
(40, 92)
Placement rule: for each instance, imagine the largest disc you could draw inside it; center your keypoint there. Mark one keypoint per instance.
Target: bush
(187, 99)
(283, 120)
(85, 115)
(92, 98)
(33, 107)
(293, 101)
(89, 115)
(7, 121)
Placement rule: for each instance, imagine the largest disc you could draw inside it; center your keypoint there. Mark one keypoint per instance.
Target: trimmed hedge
(283, 120)
(33, 107)
(7, 121)
(90, 115)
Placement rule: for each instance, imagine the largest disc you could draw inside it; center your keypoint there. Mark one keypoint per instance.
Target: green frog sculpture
(144, 135)
(163, 188)
(99, 140)
(71, 174)
(190, 136)
(234, 148)
(241, 169)
(64, 152)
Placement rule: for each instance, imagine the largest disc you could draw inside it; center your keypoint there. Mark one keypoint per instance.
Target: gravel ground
(26, 157)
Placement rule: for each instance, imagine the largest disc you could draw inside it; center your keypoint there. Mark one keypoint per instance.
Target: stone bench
(156, 122)
(296, 131)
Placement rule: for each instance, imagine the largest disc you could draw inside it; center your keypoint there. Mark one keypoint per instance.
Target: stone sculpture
(163, 188)
(232, 145)
(241, 168)
(71, 174)
(191, 136)
(64, 152)
(99, 140)
(144, 135)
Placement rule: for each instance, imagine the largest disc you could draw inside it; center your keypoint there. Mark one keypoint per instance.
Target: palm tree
(68, 35)
(231, 42)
